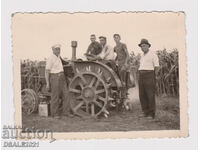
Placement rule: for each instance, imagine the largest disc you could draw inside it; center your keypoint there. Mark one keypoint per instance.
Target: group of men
(117, 56)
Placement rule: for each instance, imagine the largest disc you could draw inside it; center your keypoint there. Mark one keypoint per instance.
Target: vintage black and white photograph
(101, 73)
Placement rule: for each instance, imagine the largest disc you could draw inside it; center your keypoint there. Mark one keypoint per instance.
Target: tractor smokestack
(74, 45)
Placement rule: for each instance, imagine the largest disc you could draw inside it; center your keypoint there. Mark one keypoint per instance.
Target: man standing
(94, 48)
(122, 62)
(56, 83)
(148, 63)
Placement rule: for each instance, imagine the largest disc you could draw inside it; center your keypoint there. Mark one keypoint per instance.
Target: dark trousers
(110, 63)
(147, 92)
(59, 93)
(123, 78)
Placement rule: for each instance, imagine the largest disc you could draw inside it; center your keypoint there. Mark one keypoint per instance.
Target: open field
(167, 118)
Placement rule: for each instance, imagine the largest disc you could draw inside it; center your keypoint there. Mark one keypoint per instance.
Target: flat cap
(56, 46)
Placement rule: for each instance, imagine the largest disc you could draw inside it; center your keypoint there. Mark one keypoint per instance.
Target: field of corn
(167, 78)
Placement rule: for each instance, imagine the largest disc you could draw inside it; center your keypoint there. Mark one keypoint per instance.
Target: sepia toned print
(101, 75)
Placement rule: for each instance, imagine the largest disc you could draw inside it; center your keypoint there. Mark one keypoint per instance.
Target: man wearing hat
(56, 83)
(148, 64)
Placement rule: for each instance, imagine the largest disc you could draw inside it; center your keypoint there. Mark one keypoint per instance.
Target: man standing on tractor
(122, 62)
(56, 83)
(94, 49)
(149, 63)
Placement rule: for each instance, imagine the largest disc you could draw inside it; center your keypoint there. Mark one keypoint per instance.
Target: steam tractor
(94, 87)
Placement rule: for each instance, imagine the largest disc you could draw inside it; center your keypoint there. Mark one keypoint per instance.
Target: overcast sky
(34, 34)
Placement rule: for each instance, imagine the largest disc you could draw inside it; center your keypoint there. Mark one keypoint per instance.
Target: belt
(58, 74)
(145, 71)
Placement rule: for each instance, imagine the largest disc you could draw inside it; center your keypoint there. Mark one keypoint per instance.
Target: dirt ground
(167, 118)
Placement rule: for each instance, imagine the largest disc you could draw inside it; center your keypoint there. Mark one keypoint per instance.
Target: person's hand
(98, 58)
(123, 67)
(48, 87)
(86, 54)
(126, 65)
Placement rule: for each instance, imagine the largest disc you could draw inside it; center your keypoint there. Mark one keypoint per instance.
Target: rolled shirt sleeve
(49, 63)
(155, 60)
(54, 64)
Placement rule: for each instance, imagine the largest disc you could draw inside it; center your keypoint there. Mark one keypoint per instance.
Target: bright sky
(34, 34)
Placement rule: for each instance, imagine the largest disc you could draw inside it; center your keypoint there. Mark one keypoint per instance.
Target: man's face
(92, 38)
(102, 41)
(117, 39)
(56, 51)
(145, 48)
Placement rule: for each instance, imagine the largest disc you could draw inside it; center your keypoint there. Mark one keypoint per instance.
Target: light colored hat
(56, 46)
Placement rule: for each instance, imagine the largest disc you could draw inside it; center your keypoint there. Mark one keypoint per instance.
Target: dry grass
(167, 118)
(168, 113)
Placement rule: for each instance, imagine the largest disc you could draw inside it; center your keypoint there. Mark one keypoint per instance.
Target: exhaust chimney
(74, 45)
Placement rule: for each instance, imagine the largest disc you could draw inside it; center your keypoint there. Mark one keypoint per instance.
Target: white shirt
(54, 64)
(149, 61)
(107, 53)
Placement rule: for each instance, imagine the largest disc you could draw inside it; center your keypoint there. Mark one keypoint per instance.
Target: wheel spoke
(100, 91)
(28, 110)
(23, 97)
(24, 100)
(23, 103)
(28, 102)
(25, 107)
(78, 106)
(87, 107)
(92, 109)
(81, 85)
(98, 104)
(97, 83)
(75, 90)
(83, 79)
(92, 82)
(101, 98)
(79, 97)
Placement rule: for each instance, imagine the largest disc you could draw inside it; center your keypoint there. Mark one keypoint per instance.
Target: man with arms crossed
(56, 83)
(149, 63)
(94, 49)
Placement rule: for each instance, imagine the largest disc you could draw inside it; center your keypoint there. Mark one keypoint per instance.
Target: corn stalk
(167, 78)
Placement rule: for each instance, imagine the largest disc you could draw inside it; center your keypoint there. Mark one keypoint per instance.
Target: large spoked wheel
(29, 101)
(89, 94)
